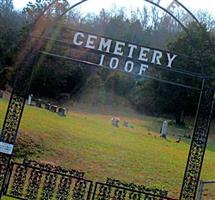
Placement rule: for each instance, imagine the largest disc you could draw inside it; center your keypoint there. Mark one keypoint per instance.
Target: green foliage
(163, 98)
(57, 77)
(10, 25)
(5, 75)
(88, 142)
(144, 27)
(199, 48)
(94, 82)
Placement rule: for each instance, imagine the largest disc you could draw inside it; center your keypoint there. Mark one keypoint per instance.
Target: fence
(113, 191)
(32, 180)
(206, 193)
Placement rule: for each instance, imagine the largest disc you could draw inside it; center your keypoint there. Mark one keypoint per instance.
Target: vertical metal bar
(200, 190)
(90, 190)
(15, 110)
(9, 177)
(94, 192)
(198, 144)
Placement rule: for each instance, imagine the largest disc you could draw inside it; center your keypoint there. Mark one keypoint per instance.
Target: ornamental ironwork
(106, 191)
(53, 168)
(13, 116)
(140, 188)
(43, 181)
(32, 180)
(198, 145)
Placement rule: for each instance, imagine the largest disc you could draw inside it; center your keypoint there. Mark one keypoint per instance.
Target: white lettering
(105, 45)
(157, 55)
(129, 66)
(90, 41)
(118, 48)
(114, 62)
(170, 60)
(131, 50)
(102, 60)
(143, 68)
(75, 39)
(143, 54)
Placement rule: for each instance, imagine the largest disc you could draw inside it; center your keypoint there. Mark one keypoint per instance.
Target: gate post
(14, 115)
(198, 144)
(200, 190)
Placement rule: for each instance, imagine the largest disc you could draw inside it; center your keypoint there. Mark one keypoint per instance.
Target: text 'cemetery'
(116, 54)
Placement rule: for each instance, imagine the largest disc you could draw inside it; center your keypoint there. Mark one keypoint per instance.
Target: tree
(177, 100)
(6, 7)
(11, 23)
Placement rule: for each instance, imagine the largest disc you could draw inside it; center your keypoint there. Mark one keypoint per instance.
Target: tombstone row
(48, 106)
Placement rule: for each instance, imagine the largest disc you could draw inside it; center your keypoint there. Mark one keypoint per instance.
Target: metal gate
(29, 181)
(34, 180)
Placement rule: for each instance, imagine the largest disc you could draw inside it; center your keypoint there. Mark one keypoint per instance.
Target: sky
(97, 5)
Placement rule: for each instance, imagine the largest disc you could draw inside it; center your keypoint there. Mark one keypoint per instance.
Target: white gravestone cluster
(48, 106)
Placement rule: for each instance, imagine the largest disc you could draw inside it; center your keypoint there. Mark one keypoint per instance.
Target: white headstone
(30, 99)
(164, 128)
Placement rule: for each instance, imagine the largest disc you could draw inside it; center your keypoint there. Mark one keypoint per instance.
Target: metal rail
(201, 188)
(162, 67)
(144, 76)
(204, 111)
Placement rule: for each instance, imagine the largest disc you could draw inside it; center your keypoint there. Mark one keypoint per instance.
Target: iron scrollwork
(53, 168)
(19, 179)
(115, 189)
(34, 184)
(119, 194)
(15, 110)
(3, 161)
(79, 190)
(198, 145)
(49, 186)
(64, 188)
(138, 188)
(35, 180)
(12, 119)
(104, 192)
(17, 99)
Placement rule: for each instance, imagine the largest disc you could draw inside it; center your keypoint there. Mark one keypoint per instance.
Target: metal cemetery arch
(20, 91)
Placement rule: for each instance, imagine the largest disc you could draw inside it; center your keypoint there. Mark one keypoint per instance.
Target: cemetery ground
(87, 141)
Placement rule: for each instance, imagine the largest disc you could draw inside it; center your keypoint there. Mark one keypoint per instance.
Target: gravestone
(38, 103)
(62, 112)
(163, 131)
(30, 99)
(1, 94)
(115, 121)
(47, 106)
(53, 108)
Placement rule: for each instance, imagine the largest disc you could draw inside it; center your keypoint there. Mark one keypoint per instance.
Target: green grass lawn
(87, 142)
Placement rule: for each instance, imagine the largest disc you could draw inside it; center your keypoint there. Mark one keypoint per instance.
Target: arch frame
(20, 92)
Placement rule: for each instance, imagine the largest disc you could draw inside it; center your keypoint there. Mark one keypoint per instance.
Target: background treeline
(53, 78)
